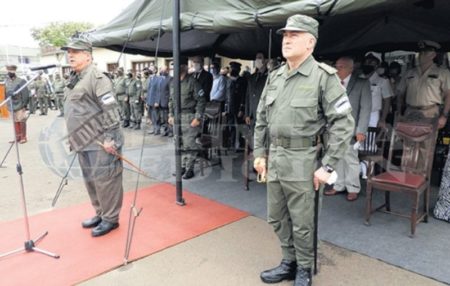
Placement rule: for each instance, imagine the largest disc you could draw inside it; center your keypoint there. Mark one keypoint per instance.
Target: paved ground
(231, 255)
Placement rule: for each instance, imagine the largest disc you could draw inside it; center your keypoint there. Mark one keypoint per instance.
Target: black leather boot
(189, 174)
(303, 277)
(285, 271)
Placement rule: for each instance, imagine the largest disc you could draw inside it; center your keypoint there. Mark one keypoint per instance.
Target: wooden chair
(211, 136)
(373, 147)
(411, 177)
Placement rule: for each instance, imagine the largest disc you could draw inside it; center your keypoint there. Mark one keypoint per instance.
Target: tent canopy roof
(239, 28)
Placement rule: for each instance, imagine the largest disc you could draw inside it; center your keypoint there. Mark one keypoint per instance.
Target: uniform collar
(85, 70)
(304, 69)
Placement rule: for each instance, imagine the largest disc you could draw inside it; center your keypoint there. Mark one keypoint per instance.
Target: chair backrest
(212, 130)
(411, 137)
(374, 142)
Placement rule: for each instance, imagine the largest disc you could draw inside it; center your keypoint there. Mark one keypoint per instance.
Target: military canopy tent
(239, 28)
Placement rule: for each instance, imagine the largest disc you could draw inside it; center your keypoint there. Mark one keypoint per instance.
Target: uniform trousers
(347, 169)
(136, 110)
(43, 104)
(102, 174)
(60, 99)
(291, 214)
(188, 135)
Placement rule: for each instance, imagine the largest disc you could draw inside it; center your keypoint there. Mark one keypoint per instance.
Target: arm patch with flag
(342, 105)
(108, 98)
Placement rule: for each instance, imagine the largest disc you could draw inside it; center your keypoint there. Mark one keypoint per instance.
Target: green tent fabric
(240, 28)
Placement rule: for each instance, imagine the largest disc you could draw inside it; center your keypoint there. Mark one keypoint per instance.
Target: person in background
(360, 97)
(19, 102)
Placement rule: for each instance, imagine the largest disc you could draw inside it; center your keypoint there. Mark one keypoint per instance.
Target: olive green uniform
(134, 91)
(294, 107)
(59, 85)
(193, 103)
(120, 90)
(424, 96)
(42, 95)
(91, 114)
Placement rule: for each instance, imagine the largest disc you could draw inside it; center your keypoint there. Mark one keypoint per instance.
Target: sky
(19, 16)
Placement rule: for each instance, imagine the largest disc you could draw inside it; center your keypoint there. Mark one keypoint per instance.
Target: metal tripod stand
(29, 244)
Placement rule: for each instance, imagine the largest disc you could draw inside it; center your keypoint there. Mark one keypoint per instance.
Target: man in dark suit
(359, 94)
(204, 78)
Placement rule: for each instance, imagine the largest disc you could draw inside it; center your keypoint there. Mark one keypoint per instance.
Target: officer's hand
(110, 147)
(170, 120)
(360, 137)
(247, 120)
(156, 105)
(125, 99)
(260, 165)
(195, 122)
(442, 122)
(240, 114)
(321, 176)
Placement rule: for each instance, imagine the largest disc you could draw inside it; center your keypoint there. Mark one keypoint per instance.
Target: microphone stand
(29, 244)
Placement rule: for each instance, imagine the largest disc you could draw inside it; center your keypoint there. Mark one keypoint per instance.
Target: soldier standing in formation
(134, 91)
(19, 102)
(59, 84)
(91, 108)
(298, 101)
(192, 103)
(41, 95)
(120, 90)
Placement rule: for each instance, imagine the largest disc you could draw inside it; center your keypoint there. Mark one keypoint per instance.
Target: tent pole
(176, 91)
(269, 52)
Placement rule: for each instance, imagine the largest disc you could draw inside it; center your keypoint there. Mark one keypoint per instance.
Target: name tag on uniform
(108, 98)
(342, 105)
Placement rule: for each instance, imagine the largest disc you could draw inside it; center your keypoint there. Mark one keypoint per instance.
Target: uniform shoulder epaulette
(274, 69)
(327, 68)
(107, 75)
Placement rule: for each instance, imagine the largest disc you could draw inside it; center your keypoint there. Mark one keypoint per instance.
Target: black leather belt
(288, 143)
(423, 107)
(188, 110)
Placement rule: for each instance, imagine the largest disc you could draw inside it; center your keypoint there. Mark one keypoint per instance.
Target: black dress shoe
(189, 174)
(104, 227)
(183, 170)
(303, 277)
(91, 222)
(285, 271)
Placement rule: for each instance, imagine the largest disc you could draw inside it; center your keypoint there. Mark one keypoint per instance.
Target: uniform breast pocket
(305, 110)
(268, 104)
(77, 104)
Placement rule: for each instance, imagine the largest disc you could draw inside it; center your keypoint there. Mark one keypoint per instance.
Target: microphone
(43, 67)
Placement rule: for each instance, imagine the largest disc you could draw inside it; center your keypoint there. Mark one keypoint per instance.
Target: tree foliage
(56, 33)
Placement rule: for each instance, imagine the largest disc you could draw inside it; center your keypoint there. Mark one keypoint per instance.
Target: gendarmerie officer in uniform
(426, 91)
(59, 85)
(19, 102)
(120, 91)
(300, 98)
(134, 92)
(192, 103)
(92, 118)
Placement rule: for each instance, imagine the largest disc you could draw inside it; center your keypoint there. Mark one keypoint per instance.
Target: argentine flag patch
(108, 99)
(342, 105)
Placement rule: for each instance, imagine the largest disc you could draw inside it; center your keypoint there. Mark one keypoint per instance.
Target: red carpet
(161, 224)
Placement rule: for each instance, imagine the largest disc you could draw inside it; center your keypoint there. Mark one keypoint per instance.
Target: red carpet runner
(160, 225)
